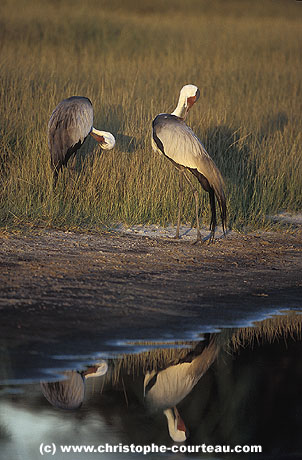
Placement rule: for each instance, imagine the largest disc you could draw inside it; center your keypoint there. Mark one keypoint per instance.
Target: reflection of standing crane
(68, 127)
(163, 390)
(173, 138)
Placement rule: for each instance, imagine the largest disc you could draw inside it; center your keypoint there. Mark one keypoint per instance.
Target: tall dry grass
(131, 58)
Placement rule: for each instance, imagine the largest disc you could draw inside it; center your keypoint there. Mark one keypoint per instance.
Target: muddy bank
(57, 286)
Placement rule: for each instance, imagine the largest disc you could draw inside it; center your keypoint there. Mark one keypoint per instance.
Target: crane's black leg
(195, 193)
(56, 168)
(180, 195)
(73, 162)
(55, 178)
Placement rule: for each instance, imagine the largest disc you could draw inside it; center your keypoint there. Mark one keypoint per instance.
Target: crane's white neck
(173, 421)
(181, 110)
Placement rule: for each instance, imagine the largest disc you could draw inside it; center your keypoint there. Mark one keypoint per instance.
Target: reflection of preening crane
(69, 125)
(163, 390)
(69, 393)
(174, 139)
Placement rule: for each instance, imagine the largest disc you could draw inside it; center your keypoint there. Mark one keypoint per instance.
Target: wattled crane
(177, 142)
(68, 127)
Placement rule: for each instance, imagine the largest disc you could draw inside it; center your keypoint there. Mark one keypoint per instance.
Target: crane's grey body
(174, 139)
(69, 125)
(180, 144)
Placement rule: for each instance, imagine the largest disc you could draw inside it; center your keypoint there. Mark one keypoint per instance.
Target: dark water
(241, 386)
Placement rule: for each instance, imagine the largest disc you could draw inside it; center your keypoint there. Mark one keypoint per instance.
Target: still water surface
(241, 386)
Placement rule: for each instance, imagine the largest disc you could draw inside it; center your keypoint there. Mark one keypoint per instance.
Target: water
(240, 386)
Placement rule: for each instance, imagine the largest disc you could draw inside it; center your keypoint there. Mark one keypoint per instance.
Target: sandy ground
(81, 292)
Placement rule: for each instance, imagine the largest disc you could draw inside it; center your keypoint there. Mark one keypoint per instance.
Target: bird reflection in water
(70, 392)
(164, 389)
(241, 378)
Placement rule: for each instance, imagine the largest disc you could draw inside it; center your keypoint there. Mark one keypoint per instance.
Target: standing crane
(68, 127)
(177, 142)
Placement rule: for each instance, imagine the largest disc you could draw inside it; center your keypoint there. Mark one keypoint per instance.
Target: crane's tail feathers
(212, 182)
(222, 209)
(213, 212)
(202, 362)
(216, 183)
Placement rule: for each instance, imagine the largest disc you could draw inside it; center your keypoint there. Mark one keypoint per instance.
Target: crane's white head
(99, 369)
(189, 94)
(105, 140)
(176, 426)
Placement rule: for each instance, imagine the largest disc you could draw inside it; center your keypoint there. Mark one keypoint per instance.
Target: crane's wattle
(180, 424)
(191, 100)
(97, 137)
(105, 139)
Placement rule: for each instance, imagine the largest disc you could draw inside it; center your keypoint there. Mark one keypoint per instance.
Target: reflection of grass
(135, 364)
(269, 330)
(275, 328)
(131, 58)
